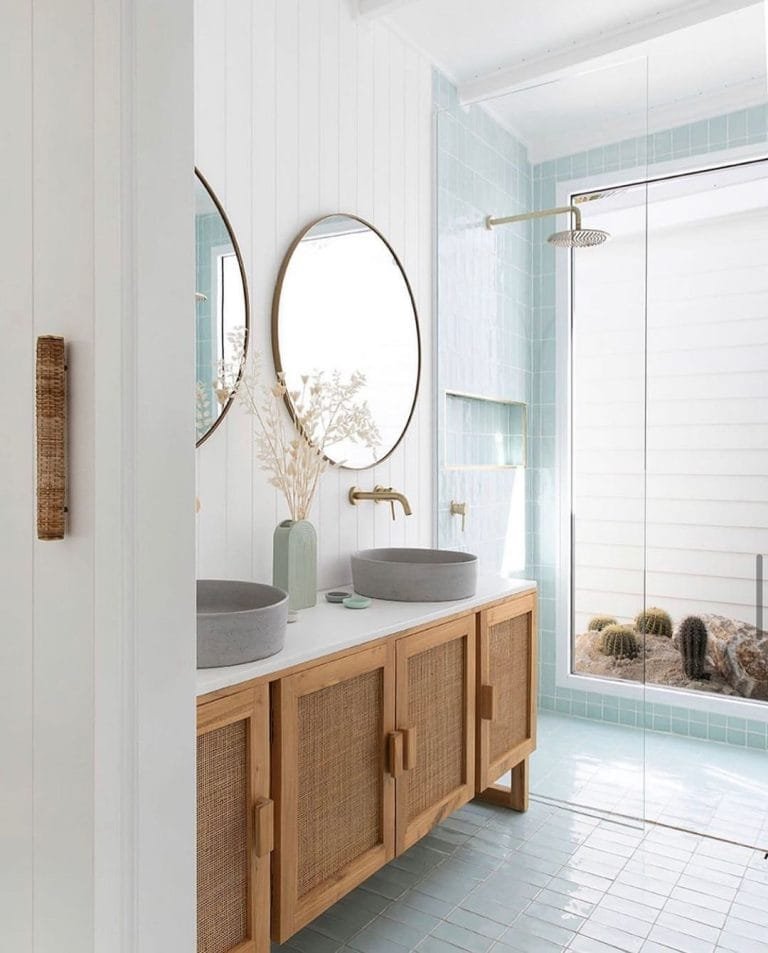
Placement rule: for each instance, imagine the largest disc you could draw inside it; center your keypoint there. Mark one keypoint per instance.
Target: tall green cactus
(654, 621)
(693, 646)
(598, 622)
(620, 642)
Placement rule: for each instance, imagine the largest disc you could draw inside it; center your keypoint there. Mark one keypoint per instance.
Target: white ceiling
(583, 74)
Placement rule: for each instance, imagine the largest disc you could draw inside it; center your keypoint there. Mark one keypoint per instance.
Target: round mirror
(221, 305)
(343, 306)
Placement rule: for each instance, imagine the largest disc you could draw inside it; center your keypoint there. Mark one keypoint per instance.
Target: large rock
(737, 652)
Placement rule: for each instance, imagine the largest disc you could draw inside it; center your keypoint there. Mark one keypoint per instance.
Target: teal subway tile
(662, 146)
(698, 729)
(680, 726)
(611, 157)
(734, 737)
(756, 740)
(579, 165)
(757, 122)
(716, 733)
(737, 127)
(718, 132)
(595, 711)
(610, 714)
(699, 137)
(595, 161)
(681, 141)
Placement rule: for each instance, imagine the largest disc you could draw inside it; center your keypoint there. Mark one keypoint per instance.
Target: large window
(669, 433)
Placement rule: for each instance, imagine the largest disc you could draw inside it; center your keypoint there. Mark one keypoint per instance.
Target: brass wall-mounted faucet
(381, 494)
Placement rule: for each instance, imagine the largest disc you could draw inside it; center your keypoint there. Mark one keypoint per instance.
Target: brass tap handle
(459, 509)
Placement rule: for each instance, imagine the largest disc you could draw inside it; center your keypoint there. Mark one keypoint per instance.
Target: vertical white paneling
(161, 528)
(63, 304)
(238, 90)
(97, 796)
(17, 467)
(339, 119)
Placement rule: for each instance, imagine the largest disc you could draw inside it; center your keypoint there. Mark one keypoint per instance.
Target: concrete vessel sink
(238, 622)
(414, 575)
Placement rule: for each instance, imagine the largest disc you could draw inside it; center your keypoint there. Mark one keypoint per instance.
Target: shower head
(576, 237)
(579, 238)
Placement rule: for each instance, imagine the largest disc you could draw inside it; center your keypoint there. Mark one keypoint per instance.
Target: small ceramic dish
(337, 596)
(357, 602)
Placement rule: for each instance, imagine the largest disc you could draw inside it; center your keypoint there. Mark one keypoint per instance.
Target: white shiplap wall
(302, 109)
(97, 795)
(704, 502)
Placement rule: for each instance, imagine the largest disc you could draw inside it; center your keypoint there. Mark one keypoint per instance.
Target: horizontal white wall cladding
(303, 109)
(686, 476)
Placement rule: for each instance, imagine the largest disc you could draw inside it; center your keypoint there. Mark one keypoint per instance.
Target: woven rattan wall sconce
(51, 419)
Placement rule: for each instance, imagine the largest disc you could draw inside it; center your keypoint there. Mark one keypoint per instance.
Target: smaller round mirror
(343, 309)
(221, 306)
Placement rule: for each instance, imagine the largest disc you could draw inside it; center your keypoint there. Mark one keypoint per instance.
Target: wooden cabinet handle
(410, 748)
(395, 747)
(264, 827)
(487, 702)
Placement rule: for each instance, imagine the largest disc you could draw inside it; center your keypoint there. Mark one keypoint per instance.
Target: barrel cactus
(692, 636)
(598, 622)
(620, 642)
(654, 621)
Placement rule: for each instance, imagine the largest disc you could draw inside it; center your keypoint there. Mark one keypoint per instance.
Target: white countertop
(327, 628)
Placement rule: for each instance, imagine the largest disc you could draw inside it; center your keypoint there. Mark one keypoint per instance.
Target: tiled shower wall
(484, 305)
(749, 126)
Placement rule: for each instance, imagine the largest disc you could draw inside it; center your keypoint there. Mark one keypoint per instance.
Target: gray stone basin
(414, 575)
(238, 622)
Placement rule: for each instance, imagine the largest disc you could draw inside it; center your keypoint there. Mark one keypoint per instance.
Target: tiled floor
(701, 786)
(552, 880)
(560, 879)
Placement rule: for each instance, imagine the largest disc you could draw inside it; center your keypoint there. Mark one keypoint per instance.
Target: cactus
(654, 621)
(620, 642)
(693, 646)
(598, 622)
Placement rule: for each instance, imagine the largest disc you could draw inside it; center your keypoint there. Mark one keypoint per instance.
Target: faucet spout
(381, 494)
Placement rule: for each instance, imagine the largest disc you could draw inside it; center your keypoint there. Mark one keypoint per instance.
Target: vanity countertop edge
(327, 629)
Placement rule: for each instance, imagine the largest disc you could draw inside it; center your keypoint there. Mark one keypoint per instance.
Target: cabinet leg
(515, 796)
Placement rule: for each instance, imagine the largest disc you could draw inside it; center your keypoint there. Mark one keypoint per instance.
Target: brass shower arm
(491, 222)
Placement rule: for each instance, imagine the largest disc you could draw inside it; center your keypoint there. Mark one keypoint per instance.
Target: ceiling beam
(560, 63)
(377, 8)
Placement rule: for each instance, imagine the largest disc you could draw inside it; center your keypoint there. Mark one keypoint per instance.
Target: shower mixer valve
(459, 509)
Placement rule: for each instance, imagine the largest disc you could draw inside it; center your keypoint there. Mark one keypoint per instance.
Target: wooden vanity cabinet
(333, 775)
(234, 823)
(506, 700)
(435, 716)
(369, 749)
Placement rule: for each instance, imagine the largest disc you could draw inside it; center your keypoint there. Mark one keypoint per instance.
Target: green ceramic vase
(294, 562)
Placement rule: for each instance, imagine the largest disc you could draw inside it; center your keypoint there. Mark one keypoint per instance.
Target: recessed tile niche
(484, 434)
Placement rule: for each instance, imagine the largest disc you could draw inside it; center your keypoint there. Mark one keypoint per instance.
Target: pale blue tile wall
(484, 302)
(748, 126)
(483, 433)
(496, 337)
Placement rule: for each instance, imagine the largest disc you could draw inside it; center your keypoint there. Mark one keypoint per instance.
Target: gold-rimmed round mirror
(343, 306)
(221, 311)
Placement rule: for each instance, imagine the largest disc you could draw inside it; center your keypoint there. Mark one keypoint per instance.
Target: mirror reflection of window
(345, 306)
(221, 311)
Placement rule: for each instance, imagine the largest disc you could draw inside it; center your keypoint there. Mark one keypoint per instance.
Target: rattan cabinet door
(506, 688)
(234, 823)
(435, 717)
(334, 792)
